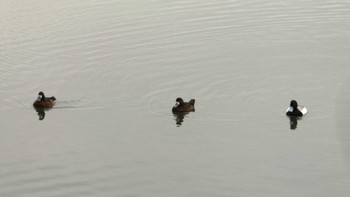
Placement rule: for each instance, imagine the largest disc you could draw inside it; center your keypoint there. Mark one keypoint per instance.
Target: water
(116, 68)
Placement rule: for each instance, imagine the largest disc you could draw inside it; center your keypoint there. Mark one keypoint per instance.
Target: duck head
(293, 104)
(179, 101)
(41, 96)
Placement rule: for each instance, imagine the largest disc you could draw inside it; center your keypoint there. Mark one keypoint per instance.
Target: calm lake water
(116, 68)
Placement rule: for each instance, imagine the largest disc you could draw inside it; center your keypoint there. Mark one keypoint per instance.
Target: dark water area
(116, 68)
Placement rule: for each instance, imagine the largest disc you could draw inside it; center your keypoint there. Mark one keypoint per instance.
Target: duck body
(42, 101)
(181, 106)
(296, 110)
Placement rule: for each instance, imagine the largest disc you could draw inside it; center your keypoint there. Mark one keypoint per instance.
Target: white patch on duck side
(176, 104)
(302, 109)
(290, 109)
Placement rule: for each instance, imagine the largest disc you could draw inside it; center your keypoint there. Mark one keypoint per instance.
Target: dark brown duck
(43, 101)
(182, 106)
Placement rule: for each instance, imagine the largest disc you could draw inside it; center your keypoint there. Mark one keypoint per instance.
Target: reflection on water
(293, 122)
(179, 118)
(117, 63)
(41, 112)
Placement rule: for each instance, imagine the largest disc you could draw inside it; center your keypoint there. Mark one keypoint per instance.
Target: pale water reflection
(116, 67)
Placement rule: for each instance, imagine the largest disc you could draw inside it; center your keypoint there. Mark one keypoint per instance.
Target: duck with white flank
(295, 109)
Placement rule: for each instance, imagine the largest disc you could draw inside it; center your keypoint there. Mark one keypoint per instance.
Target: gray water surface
(116, 68)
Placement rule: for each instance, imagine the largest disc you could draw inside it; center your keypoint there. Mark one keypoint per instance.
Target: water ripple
(233, 57)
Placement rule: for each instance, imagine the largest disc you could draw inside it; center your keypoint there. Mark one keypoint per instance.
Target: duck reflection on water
(41, 112)
(179, 118)
(293, 122)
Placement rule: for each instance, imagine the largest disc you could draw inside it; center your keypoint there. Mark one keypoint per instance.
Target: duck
(296, 110)
(42, 101)
(182, 106)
